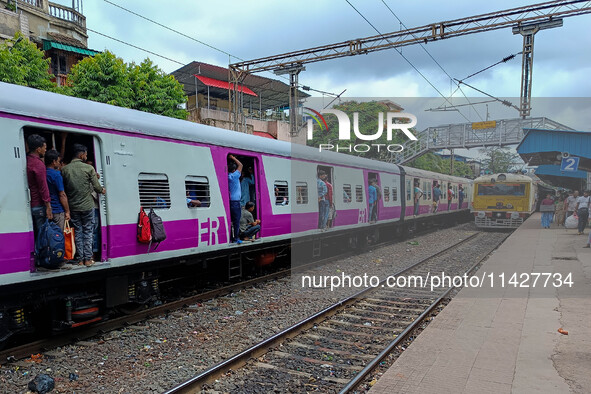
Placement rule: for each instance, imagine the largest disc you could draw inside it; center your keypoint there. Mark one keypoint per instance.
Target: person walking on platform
(571, 202)
(547, 208)
(582, 209)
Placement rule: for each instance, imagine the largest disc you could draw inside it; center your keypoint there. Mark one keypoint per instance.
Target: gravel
(156, 355)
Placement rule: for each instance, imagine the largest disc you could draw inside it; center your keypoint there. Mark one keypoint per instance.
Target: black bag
(158, 233)
(50, 246)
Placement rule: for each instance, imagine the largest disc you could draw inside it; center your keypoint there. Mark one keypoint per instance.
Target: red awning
(216, 83)
(262, 134)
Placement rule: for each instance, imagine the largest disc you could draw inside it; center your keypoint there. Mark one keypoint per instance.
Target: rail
(67, 14)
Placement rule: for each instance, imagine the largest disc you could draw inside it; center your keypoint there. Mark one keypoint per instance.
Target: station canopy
(259, 92)
(547, 148)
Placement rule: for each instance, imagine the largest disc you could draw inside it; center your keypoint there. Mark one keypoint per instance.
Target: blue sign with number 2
(569, 164)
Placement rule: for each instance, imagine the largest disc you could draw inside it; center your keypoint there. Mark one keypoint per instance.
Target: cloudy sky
(253, 29)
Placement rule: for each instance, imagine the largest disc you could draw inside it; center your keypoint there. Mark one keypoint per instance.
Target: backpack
(157, 227)
(144, 230)
(50, 245)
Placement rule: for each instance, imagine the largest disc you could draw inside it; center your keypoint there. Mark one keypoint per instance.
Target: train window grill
(425, 186)
(395, 193)
(429, 190)
(281, 192)
(408, 190)
(386, 194)
(301, 192)
(197, 188)
(358, 193)
(154, 191)
(347, 194)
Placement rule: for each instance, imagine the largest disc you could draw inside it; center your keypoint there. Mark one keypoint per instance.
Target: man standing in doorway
(436, 197)
(37, 177)
(80, 180)
(234, 171)
(450, 196)
(460, 196)
(59, 202)
(322, 199)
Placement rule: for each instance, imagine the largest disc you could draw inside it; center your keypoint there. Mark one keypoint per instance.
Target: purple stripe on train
(15, 252)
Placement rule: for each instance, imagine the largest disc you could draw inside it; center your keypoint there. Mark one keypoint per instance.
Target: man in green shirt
(79, 181)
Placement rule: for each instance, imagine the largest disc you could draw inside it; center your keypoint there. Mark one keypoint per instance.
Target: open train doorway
(64, 142)
(326, 206)
(249, 187)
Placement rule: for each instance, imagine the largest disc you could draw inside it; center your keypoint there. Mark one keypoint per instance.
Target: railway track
(337, 348)
(46, 344)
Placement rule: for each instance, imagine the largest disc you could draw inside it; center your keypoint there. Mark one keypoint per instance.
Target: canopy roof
(271, 92)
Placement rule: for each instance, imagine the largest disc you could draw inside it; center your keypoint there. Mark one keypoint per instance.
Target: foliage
(108, 79)
(368, 125)
(155, 91)
(22, 63)
(435, 163)
(498, 160)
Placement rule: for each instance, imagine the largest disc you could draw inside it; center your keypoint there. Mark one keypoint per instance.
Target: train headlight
(509, 206)
(514, 215)
(481, 214)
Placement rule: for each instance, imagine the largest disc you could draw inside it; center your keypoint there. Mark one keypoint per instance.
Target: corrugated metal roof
(576, 143)
(216, 83)
(47, 45)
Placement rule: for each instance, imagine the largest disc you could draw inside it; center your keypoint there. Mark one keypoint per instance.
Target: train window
(395, 193)
(197, 191)
(154, 191)
(386, 194)
(358, 193)
(408, 190)
(425, 187)
(347, 194)
(281, 192)
(301, 192)
(429, 191)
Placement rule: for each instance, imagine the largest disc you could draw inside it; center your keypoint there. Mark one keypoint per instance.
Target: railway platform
(506, 339)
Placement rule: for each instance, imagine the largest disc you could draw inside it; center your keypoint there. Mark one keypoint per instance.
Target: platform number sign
(569, 164)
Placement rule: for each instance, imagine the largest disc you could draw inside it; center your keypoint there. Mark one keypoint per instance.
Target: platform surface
(506, 339)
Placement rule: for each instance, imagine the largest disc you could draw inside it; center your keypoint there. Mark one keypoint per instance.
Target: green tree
(368, 125)
(108, 79)
(435, 163)
(498, 160)
(155, 91)
(22, 63)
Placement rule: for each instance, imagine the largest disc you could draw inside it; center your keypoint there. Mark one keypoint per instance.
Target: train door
(373, 209)
(100, 243)
(249, 183)
(329, 210)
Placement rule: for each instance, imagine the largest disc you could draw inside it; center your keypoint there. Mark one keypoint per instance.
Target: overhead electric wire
(200, 42)
(504, 102)
(504, 60)
(405, 58)
(435, 60)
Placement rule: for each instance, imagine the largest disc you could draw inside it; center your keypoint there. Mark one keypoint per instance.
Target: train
(503, 200)
(151, 161)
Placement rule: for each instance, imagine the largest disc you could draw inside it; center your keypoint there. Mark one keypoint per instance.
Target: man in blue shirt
(55, 183)
(323, 204)
(234, 171)
(436, 197)
(372, 197)
(245, 185)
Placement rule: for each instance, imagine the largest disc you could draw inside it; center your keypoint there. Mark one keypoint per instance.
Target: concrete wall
(217, 118)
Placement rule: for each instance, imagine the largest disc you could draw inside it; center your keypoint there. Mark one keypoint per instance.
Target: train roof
(431, 175)
(20, 100)
(508, 178)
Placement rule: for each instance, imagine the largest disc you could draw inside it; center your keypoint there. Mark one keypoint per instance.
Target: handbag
(70, 244)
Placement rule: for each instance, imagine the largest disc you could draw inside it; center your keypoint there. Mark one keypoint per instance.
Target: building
(58, 30)
(265, 101)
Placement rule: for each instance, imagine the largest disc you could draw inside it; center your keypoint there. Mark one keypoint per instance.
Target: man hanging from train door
(234, 171)
(37, 178)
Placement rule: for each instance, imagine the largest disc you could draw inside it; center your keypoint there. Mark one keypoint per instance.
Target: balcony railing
(66, 13)
(33, 3)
